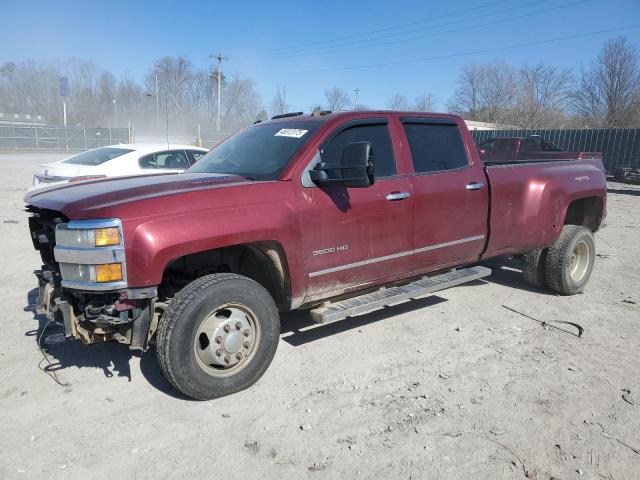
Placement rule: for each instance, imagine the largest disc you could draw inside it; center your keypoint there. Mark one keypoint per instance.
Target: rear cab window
(504, 146)
(97, 156)
(436, 145)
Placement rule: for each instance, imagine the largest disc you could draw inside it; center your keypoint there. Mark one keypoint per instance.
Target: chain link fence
(620, 147)
(18, 137)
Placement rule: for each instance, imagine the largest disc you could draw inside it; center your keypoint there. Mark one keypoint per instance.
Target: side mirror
(355, 170)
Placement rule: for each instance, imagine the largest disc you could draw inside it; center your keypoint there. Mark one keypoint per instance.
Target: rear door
(356, 236)
(450, 195)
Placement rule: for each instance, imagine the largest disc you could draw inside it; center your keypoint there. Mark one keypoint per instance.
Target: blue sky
(417, 46)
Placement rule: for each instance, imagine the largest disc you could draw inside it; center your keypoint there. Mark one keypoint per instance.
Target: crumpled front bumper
(102, 317)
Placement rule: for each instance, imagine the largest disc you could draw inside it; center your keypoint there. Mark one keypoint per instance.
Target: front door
(356, 236)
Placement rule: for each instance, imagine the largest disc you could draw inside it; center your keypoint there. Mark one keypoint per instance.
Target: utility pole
(355, 105)
(115, 113)
(429, 106)
(157, 100)
(218, 76)
(166, 109)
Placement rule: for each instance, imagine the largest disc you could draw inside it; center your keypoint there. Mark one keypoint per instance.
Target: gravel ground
(451, 386)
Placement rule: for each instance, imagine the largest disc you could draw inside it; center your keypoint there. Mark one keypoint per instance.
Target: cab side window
(504, 147)
(487, 145)
(378, 135)
(435, 147)
(170, 160)
(528, 146)
(550, 147)
(196, 155)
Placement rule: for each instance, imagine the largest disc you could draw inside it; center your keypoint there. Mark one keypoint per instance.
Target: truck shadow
(297, 328)
(507, 271)
(625, 191)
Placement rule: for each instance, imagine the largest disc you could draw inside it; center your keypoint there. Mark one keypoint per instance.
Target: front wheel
(570, 260)
(217, 336)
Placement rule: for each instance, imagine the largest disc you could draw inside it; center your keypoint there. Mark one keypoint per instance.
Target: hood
(77, 200)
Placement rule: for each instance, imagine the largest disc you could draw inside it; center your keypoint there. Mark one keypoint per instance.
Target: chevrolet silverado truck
(336, 213)
(502, 149)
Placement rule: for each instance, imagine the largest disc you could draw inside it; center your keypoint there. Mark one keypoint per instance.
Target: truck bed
(528, 200)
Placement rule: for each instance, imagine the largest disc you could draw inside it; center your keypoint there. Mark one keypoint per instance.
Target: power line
(420, 37)
(399, 34)
(385, 29)
(454, 55)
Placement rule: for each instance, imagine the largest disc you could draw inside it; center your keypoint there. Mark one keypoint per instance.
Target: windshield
(97, 156)
(259, 152)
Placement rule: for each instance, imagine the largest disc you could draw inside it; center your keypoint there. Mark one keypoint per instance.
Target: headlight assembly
(91, 254)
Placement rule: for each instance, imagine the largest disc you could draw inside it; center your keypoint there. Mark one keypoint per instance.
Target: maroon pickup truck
(300, 212)
(502, 149)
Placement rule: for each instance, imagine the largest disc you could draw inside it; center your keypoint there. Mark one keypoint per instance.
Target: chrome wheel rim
(226, 340)
(579, 261)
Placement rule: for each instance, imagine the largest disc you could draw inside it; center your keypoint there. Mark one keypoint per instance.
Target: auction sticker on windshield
(290, 132)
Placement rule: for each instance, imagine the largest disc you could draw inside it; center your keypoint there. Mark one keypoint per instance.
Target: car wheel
(217, 336)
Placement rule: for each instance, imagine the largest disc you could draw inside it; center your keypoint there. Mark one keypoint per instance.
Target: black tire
(561, 258)
(534, 269)
(200, 302)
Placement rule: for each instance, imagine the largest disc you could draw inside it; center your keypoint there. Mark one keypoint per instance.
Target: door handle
(394, 196)
(475, 185)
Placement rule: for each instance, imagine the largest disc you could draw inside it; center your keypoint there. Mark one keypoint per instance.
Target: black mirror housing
(355, 170)
(357, 165)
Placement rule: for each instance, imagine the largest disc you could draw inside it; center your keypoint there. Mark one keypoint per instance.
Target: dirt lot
(451, 386)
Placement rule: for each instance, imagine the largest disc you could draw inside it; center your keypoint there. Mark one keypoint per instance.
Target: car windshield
(97, 156)
(259, 152)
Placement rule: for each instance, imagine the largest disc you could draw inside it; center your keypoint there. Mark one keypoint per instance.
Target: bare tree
(240, 103)
(337, 99)
(543, 95)
(398, 102)
(175, 81)
(106, 93)
(279, 102)
(83, 101)
(426, 103)
(486, 93)
(609, 91)
(29, 87)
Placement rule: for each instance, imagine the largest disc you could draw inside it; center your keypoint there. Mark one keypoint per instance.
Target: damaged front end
(82, 282)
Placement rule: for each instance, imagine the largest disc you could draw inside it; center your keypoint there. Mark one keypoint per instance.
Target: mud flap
(140, 330)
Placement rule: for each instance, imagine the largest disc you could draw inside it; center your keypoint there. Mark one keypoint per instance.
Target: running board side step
(388, 296)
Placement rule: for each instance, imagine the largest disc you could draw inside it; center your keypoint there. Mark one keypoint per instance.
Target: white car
(118, 160)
